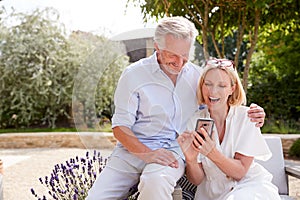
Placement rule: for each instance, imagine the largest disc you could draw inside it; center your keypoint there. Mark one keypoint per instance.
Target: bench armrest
(292, 168)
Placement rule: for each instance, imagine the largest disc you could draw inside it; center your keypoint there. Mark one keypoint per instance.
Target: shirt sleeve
(126, 102)
(249, 140)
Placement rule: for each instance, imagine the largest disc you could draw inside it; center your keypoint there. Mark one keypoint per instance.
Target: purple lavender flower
(33, 192)
(72, 179)
(75, 197)
(46, 180)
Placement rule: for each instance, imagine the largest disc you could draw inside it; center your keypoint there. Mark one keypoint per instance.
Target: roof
(134, 34)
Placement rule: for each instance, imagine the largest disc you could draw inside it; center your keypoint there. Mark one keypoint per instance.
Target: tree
(220, 19)
(275, 76)
(36, 70)
(101, 64)
(42, 70)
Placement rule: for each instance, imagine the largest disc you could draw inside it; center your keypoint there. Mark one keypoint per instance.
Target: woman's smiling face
(216, 89)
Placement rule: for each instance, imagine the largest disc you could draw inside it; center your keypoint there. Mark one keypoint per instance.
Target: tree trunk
(251, 50)
(240, 33)
(205, 32)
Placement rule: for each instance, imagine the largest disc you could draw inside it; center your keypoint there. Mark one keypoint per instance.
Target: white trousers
(121, 173)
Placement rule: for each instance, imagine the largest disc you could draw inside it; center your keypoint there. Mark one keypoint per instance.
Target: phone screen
(206, 123)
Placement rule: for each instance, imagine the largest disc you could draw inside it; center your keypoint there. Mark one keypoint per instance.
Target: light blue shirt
(147, 102)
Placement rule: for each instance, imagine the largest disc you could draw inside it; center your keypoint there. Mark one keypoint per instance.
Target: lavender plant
(72, 180)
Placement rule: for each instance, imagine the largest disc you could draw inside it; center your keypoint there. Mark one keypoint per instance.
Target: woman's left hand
(204, 144)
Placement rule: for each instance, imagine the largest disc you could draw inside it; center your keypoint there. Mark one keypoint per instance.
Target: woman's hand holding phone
(205, 123)
(203, 139)
(203, 142)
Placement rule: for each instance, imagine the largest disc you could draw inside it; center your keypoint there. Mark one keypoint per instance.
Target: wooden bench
(277, 165)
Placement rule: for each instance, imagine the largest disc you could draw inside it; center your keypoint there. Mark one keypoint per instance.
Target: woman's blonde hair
(238, 96)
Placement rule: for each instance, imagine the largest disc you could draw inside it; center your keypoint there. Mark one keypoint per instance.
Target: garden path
(24, 167)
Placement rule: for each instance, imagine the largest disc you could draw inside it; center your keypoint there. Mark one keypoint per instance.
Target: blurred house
(138, 42)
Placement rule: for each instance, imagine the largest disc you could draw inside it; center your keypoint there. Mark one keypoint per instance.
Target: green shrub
(295, 149)
(44, 73)
(36, 70)
(281, 126)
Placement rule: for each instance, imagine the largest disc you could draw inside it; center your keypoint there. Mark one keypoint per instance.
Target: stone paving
(24, 167)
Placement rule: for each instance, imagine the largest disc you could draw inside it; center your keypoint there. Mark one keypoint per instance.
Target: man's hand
(257, 115)
(133, 145)
(160, 156)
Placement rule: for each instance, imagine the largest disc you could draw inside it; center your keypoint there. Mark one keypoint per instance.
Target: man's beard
(169, 69)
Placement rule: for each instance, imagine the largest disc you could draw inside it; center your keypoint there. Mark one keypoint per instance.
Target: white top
(147, 102)
(243, 137)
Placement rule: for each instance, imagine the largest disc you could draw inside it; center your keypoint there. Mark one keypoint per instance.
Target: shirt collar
(156, 66)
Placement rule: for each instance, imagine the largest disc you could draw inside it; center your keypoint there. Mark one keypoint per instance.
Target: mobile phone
(207, 124)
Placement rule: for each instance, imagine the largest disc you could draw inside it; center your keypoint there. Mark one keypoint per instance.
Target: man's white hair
(179, 27)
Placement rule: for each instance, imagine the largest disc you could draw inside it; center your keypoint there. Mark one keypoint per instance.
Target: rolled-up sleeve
(126, 102)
